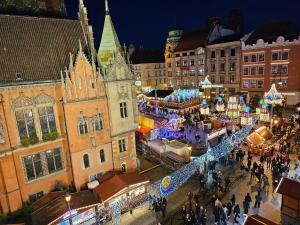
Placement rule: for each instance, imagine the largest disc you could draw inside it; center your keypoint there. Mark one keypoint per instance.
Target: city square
(108, 118)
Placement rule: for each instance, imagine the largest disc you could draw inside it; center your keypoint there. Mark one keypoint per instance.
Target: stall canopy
(53, 205)
(257, 220)
(260, 136)
(289, 188)
(118, 184)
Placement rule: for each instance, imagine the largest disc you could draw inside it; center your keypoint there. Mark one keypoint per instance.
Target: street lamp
(68, 199)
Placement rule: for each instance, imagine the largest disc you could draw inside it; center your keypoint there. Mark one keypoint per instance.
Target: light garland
(182, 175)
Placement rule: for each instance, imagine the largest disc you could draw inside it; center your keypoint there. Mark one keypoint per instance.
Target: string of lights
(182, 175)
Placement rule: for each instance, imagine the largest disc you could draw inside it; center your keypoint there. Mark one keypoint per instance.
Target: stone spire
(109, 44)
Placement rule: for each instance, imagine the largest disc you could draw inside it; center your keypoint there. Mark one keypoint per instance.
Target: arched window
(98, 122)
(86, 161)
(83, 127)
(2, 138)
(102, 156)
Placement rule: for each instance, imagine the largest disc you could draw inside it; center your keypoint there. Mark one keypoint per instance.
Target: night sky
(145, 23)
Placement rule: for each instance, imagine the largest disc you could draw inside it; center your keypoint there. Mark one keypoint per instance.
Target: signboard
(166, 185)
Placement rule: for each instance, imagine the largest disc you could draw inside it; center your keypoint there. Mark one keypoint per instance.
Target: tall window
(98, 122)
(222, 79)
(102, 155)
(253, 70)
(260, 83)
(232, 52)
(2, 137)
(122, 145)
(275, 55)
(285, 55)
(54, 160)
(36, 196)
(123, 110)
(86, 161)
(261, 57)
(212, 67)
(47, 119)
(25, 123)
(246, 58)
(83, 127)
(253, 58)
(232, 78)
(246, 70)
(222, 53)
(222, 67)
(33, 166)
(213, 54)
(252, 83)
(232, 66)
(261, 70)
(192, 62)
(245, 84)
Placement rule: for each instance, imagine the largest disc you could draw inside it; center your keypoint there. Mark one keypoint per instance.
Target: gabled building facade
(64, 121)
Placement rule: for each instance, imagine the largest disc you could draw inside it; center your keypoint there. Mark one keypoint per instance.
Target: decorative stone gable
(119, 69)
(123, 92)
(43, 98)
(22, 101)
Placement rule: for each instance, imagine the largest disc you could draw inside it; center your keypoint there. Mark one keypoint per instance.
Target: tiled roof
(257, 220)
(270, 31)
(289, 187)
(56, 207)
(193, 39)
(37, 48)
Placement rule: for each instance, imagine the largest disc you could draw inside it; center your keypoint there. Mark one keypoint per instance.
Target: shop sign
(166, 185)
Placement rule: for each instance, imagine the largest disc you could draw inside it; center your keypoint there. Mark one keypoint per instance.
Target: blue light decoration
(273, 97)
(183, 95)
(166, 185)
(181, 176)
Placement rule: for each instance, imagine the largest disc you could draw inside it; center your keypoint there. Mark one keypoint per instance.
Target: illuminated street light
(68, 199)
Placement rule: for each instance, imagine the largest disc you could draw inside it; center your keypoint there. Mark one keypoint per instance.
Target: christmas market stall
(257, 220)
(290, 203)
(259, 141)
(130, 184)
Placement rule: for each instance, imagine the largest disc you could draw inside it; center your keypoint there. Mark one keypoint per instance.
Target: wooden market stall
(290, 191)
(259, 141)
(257, 220)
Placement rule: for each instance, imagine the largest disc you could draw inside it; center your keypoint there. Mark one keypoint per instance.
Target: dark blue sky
(146, 22)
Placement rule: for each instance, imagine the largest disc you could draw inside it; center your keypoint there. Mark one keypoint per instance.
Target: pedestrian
(266, 183)
(183, 212)
(150, 201)
(232, 200)
(227, 182)
(236, 211)
(257, 200)
(252, 173)
(246, 203)
(190, 198)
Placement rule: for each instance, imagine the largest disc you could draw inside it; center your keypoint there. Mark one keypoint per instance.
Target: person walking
(246, 203)
(257, 200)
(233, 200)
(236, 211)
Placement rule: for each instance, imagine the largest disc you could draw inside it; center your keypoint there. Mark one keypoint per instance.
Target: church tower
(109, 44)
(120, 89)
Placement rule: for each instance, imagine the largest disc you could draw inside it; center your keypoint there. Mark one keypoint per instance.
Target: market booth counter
(132, 184)
(52, 209)
(257, 220)
(290, 203)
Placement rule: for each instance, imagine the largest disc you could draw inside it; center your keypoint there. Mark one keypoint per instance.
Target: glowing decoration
(273, 97)
(242, 104)
(166, 185)
(206, 83)
(180, 176)
(204, 107)
(246, 119)
(220, 107)
(232, 108)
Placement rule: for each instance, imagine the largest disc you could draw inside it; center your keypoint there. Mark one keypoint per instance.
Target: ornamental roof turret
(109, 44)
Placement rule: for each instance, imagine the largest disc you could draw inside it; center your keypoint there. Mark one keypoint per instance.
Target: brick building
(62, 119)
(149, 67)
(271, 54)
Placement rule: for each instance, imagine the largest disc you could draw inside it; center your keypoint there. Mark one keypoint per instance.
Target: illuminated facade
(272, 55)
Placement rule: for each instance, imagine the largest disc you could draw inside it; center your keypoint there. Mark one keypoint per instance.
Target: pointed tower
(109, 44)
(121, 96)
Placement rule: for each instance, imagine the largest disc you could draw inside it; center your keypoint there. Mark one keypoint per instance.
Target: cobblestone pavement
(270, 206)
